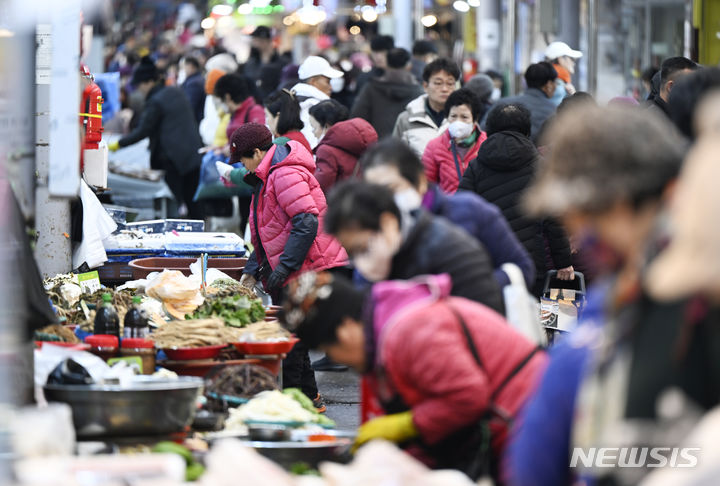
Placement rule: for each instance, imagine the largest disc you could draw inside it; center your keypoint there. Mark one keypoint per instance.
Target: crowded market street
(359, 242)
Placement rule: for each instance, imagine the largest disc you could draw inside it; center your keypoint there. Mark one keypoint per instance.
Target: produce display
(190, 334)
(263, 332)
(224, 287)
(288, 406)
(234, 310)
(244, 381)
(56, 333)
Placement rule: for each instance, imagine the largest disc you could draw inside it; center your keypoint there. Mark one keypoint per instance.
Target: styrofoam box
(176, 241)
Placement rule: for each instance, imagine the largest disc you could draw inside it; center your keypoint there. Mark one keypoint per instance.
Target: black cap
(382, 43)
(262, 32)
(145, 71)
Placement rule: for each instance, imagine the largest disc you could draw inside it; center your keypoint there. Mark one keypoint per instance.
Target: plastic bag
(521, 308)
(179, 294)
(211, 185)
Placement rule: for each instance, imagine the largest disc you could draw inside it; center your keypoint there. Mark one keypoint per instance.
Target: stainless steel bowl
(286, 454)
(146, 407)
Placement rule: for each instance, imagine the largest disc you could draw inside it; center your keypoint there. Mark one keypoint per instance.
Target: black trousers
(297, 372)
(183, 186)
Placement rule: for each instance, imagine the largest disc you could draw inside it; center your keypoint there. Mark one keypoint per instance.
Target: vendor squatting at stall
(446, 370)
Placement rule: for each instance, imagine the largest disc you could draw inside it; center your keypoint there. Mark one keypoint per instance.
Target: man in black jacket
(168, 120)
(672, 69)
(384, 98)
(385, 244)
(505, 166)
(194, 86)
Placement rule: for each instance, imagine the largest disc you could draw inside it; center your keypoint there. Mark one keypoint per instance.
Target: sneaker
(319, 404)
(326, 364)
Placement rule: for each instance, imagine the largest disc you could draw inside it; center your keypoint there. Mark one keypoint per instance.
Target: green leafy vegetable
(297, 395)
(235, 310)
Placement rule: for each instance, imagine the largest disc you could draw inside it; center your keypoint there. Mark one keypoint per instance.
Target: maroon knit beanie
(247, 138)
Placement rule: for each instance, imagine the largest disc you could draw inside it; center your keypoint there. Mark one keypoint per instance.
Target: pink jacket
(338, 151)
(289, 188)
(440, 165)
(425, 357)
(247, 112)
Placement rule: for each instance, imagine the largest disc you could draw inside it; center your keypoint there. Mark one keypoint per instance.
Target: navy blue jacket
(194, 88)
(487, 224)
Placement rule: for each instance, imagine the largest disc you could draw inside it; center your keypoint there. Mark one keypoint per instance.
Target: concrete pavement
(341, 392)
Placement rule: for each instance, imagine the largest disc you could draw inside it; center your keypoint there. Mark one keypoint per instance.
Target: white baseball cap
(317, 66)
(559, 49)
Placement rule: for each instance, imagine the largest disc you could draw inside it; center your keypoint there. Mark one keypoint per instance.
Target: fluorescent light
(474, 3)
(461, 6)
(370, 15)
(245, 9)
(207, 23)
(429, 20)
(222, 10)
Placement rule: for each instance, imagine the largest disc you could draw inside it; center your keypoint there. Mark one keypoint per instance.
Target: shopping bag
(211, 185)
(521, 308)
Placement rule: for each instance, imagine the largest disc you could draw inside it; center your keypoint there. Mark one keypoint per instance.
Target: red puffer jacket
(425, 357)
(247, 112)
(440, 165)
(339, 150)
(289, 188)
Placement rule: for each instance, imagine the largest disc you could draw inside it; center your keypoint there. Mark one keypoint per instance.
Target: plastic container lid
(102, 341)
(107, 298)
(137, 343)
(136, 299)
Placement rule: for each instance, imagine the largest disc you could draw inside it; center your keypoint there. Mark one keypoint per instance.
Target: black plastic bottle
(136, 322)
(106, 318)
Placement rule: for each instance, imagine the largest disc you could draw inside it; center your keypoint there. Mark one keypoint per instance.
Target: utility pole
(57, 148)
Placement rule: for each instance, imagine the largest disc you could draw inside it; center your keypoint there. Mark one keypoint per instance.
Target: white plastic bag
(521, 308)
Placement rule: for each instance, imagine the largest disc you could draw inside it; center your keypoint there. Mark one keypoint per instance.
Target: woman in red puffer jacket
(447, 156)
(338, 152)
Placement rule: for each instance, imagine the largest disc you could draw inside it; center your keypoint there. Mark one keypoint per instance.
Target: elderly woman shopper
(447, 157)
(282, 112)
(611, 382)
(286, 224)
(450, 373)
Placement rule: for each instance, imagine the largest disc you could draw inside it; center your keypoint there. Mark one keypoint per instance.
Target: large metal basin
(146, 407)
(312, 453)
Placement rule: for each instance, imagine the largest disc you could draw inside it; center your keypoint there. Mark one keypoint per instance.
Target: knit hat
(145, 71)
(211, 79)
(247, 138)
(482, 85)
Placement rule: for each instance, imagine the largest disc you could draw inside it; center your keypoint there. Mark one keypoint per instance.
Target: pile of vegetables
(235, 310)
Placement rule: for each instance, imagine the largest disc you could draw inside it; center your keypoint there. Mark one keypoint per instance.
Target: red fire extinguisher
(90, 112)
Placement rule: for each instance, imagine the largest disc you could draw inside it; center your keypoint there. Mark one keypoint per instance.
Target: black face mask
(255, 53)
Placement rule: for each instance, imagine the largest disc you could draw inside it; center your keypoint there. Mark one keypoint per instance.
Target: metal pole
(510, 44)
(403, 29)
(419, 9)
(592, 46)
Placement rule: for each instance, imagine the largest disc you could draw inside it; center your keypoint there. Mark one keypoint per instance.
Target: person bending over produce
(386, 242)
(286, 224)
(447, 371)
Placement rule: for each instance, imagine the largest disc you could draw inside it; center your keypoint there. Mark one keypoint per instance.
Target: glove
(247, 281)
(113, 146)
(277, 277)
(224, 170)
(398, 428)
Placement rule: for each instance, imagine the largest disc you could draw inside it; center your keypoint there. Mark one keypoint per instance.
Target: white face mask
(376, 262)
(224, 107)
(459, 129)
(337, 84)
(408, 200)
(495, 95)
